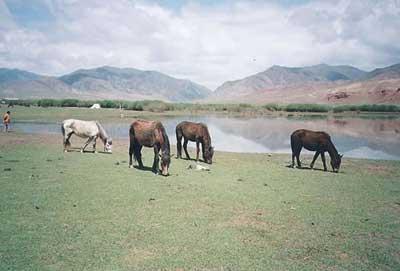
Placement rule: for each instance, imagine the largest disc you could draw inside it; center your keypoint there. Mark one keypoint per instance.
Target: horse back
(192, 130)
(147, 133)
(311, 140)
(81, 128)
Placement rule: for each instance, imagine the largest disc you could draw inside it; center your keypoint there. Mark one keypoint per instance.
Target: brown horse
(149, 134)
(197, 132)
(320, 142)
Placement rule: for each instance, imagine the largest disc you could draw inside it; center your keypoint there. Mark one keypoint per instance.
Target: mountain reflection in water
(374, 138)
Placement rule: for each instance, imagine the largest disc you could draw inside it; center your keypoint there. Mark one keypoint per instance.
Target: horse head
(108, 145)
(335, 163)
(165, 161)
(208, 154)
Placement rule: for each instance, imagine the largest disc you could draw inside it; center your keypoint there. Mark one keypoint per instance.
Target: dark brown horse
(320, 142)
(197, 132)
(149, 134)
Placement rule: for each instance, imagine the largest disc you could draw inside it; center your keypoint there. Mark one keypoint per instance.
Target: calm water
(376, 138)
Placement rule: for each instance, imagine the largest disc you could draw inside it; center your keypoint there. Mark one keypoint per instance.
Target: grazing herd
(152, 134)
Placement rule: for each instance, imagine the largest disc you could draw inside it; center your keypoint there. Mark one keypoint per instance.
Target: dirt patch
(137, 256)
(380, 169)
(248, 219)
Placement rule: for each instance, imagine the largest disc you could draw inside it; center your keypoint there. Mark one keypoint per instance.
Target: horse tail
(295, 141)
(132, 144)
(178, 132)
(62, 129)
(66, 142)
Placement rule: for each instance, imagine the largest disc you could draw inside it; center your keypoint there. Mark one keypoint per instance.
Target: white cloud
(207, 44)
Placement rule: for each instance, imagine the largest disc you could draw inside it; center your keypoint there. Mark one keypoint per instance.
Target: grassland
(73, 211)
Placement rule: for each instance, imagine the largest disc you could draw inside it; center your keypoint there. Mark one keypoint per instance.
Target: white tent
(95, 106)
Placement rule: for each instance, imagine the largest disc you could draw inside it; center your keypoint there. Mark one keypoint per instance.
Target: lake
(358, 137)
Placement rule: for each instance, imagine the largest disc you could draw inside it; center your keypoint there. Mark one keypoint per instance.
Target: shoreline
(54, 139)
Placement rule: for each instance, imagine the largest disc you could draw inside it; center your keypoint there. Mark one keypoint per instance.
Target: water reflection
(376, 138)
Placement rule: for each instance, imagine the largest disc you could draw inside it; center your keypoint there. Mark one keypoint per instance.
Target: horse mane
(165, 148)
(102, 133)
(332, 151)
(206, 135)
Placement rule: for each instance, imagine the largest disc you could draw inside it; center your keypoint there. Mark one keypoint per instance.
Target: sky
(206, 41)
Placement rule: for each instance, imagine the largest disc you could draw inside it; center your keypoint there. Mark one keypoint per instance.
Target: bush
(367, 108)
(85, 104)
(48, 102)
(69, 103)
(109, 104)
(273, 107)
(307, 108)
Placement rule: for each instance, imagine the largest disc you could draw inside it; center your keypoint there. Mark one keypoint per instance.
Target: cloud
(206, 43)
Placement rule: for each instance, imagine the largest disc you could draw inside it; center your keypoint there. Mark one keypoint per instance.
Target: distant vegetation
(160, 106)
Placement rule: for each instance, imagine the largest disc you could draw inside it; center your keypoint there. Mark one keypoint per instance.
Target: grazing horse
(85, 129)
(320, 142)
(197, 132)
(149, 134)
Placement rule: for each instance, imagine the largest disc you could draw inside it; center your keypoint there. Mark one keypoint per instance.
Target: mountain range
(100, 83)
(313, 84)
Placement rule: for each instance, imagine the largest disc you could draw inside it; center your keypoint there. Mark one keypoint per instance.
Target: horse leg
(87, 143)
(178, 145)
(67, 143)
(131, 150)
(296, 154)
(94, 144)
(293, 155)
(298, 159)
(197, 150)
(156, 159)
(314, 158)
(296, 146)
(138, 154)
(323, 160)
(185, 142)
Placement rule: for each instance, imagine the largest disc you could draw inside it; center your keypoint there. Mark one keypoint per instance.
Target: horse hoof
(130, 166)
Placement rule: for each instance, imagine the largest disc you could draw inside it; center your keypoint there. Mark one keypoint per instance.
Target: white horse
(85, 129)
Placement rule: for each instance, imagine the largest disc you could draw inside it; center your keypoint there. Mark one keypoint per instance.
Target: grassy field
(73, 211)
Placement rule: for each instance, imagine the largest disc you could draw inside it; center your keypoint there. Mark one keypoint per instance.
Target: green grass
(89, 211)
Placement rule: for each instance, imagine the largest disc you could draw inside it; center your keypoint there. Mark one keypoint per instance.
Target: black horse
(197, 132)
(320, 142)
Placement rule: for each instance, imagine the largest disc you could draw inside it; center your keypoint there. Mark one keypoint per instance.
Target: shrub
(307, 108)
(48, 102)
(69, 103)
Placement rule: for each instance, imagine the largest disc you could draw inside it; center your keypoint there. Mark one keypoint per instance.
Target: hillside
(100, 83)
(315, 84)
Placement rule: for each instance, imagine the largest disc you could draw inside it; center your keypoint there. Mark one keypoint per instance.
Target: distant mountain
(133, 81)
(314, 84)
(13, 75)
(278, 76)
(391, 72)
(100, 83)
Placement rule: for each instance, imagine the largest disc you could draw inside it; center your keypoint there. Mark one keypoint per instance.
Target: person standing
(6, 120)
